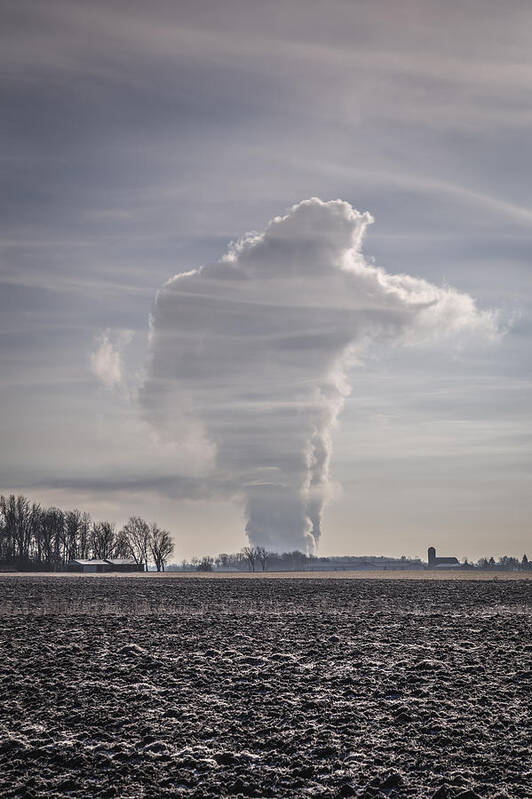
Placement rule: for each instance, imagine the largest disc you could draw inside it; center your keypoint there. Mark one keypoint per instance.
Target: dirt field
(143, 687)
(368, 574)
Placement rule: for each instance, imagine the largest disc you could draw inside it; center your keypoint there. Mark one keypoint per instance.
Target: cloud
(106, 360)
(252, 353)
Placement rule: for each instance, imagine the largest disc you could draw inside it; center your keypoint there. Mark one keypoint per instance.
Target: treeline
(36, 538)
(260, 559)
(248, 559)
(506, 563)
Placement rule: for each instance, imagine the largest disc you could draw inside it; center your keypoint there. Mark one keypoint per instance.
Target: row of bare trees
(147, 541)
(505, 562)
(248, 559)
(33, 537)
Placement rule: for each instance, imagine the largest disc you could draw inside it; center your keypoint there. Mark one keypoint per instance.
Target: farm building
(124, 565)
(88, 566)
(439, 563)
(95, 565)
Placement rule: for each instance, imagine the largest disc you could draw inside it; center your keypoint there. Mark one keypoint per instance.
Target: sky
(141, 141)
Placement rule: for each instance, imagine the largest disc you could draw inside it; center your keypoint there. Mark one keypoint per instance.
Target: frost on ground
(274, 688)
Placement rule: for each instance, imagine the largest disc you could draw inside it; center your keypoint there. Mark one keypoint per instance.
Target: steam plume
(249, 356)
(106, 360)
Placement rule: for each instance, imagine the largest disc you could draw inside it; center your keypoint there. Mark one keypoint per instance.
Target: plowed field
(264, 688)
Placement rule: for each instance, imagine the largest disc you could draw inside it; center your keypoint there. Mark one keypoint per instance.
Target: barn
(439, 562)
(88, 566)
(124, 565)
(95, 565)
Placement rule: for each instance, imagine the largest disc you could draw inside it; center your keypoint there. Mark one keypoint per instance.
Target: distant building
(438, 563)
(95, 565)
(362, 563)
(88, 566)
(124, 565)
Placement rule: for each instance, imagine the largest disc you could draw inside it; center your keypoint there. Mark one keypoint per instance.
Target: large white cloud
(249, 355)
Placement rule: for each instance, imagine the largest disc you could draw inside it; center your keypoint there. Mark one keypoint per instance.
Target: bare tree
(263, 556)
(122, 548)
(161, 546)
(297, 560)
(103, 540)
(4, 538)
(138, 534)
(84, 535)
(51, 537)
(16, 512)
(250, 554)
(36, 521)
(71, 534)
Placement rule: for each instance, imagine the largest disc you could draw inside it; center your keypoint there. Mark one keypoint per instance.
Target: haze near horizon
(321, 383)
